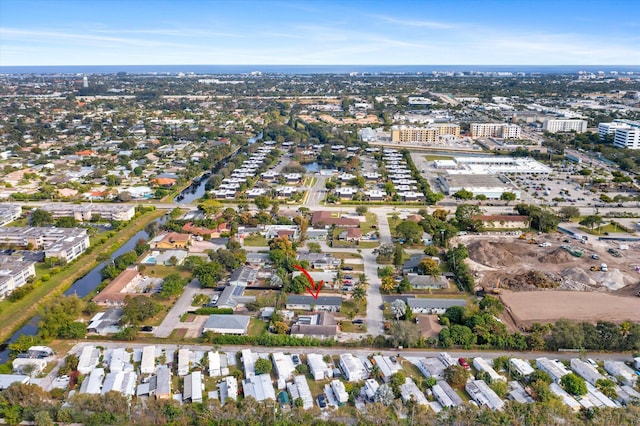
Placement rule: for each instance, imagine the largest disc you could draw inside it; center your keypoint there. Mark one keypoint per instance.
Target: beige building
(495, 130)
(555, 126)
(429, 134)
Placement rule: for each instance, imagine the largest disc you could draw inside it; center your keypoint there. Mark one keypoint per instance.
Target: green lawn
(255, 241)
(437, 157)
(602, 229)
(257, 327)
(348, 327)
(346, 255)
(351, 306)
(394, 221)
(368, 225)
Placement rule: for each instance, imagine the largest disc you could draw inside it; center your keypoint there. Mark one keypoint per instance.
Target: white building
(9, 213)
(585, 370)
(148, 363)
(620, 371)
(555, 126)
(228, 389)
(32, 366)
(352, 368)
(300, 389)
(410, 391)
(120, 381)
(259, 387)
(214, 364)
(387, 367)
(446, 395)
(555, 369)
(567, 399)
(481, 364)
(193, 387)
(369, 389)
(627, 138)
(93, 383)
(318, 368)
(183, 361)
(521, 366)
(339, 391)
(481, 393)
(283, 365)
(88, 359)
(14, 273)
(248, 363)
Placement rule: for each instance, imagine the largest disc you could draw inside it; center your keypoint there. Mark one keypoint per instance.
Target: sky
(320, 32)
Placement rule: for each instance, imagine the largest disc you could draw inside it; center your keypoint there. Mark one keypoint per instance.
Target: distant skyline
(323, 32)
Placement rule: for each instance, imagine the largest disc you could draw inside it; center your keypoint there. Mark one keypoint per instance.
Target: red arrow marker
(314, 290)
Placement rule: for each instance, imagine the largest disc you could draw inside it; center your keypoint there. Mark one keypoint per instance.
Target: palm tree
(359, 293)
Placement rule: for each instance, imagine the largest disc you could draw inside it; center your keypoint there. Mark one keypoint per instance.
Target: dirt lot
(520, 266)
(548, 306)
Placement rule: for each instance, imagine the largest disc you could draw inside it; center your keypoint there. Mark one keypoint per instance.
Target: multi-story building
(427, 134)
(64, 243)
(611, 128)
(14, 273)
(555, 126)
(9, 213)
(627, 138)
(495, 130)
(86, 212)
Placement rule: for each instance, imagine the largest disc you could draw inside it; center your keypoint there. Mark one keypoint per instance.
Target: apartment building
(64, 243)
(14, 273)
(9, 213)
(495, 130)
(429, 134)
(627, 138)
(86, 212)
(557, 126)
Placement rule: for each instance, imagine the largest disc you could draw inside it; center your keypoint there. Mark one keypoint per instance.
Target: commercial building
(495, 130)
(489, 185)
(87, 212)
(481, 364)
(627, 138)
(556, 126)
(64, 243)
(585, 370)
(621, 371)
(9, 213)
(553, 368)
(352, 368)
(318, 368)
(481, 393)
(227, 324)
(14, 273)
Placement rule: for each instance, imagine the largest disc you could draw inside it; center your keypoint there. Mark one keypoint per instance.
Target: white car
(545, 244)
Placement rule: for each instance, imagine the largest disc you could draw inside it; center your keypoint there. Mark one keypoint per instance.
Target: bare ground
(548, 283)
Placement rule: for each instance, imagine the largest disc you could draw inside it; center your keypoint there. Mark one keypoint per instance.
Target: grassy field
(13, 314)
(257, 327)
(348, 327)
(346, 255)
(437, 157)
(602, 229)
(255, 241)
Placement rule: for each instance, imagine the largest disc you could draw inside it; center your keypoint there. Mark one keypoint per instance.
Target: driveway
(182, 305)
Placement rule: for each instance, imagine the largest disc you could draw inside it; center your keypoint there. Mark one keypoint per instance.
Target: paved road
(182, 305)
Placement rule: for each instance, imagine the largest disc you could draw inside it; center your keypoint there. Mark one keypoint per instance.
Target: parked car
(322, 401)
(296, 360)
(347, 268)
(463, 362)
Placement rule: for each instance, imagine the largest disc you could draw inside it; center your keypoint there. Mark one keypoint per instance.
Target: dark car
(146, 328)
(347, 268)
(357, 321)
(322, 401)
(295, 359)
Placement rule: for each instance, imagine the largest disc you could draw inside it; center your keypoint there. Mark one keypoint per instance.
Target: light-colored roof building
(30, 366)
(7, 380)
(585, 370)
(119, 381)
(88, 359)
(148, 363)
(445, 394)
(387, 367)
(214, 364)
(481, 364)
(410, 391)
(227, 324)
(300, 387)
(283, 364)
(93, 383)
(183, 361)
(555, 369)
(228, 389)
(521, 366)
(352, 368)
(318, 368)
(259, 387)
(248, 363)
(193, 387)
(621, 371)
(481, 393)
(338, 389)
(567, 399)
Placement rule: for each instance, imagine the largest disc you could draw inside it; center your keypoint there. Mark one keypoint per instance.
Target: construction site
(542, 278)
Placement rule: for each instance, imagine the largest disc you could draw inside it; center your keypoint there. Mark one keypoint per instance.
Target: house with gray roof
(306, 303)
(227, 324)
(432, 305)
(427, 281)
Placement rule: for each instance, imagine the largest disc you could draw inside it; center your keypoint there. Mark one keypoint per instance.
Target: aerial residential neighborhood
(321, 243)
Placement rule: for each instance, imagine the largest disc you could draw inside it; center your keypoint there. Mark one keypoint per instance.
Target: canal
(81, 287)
